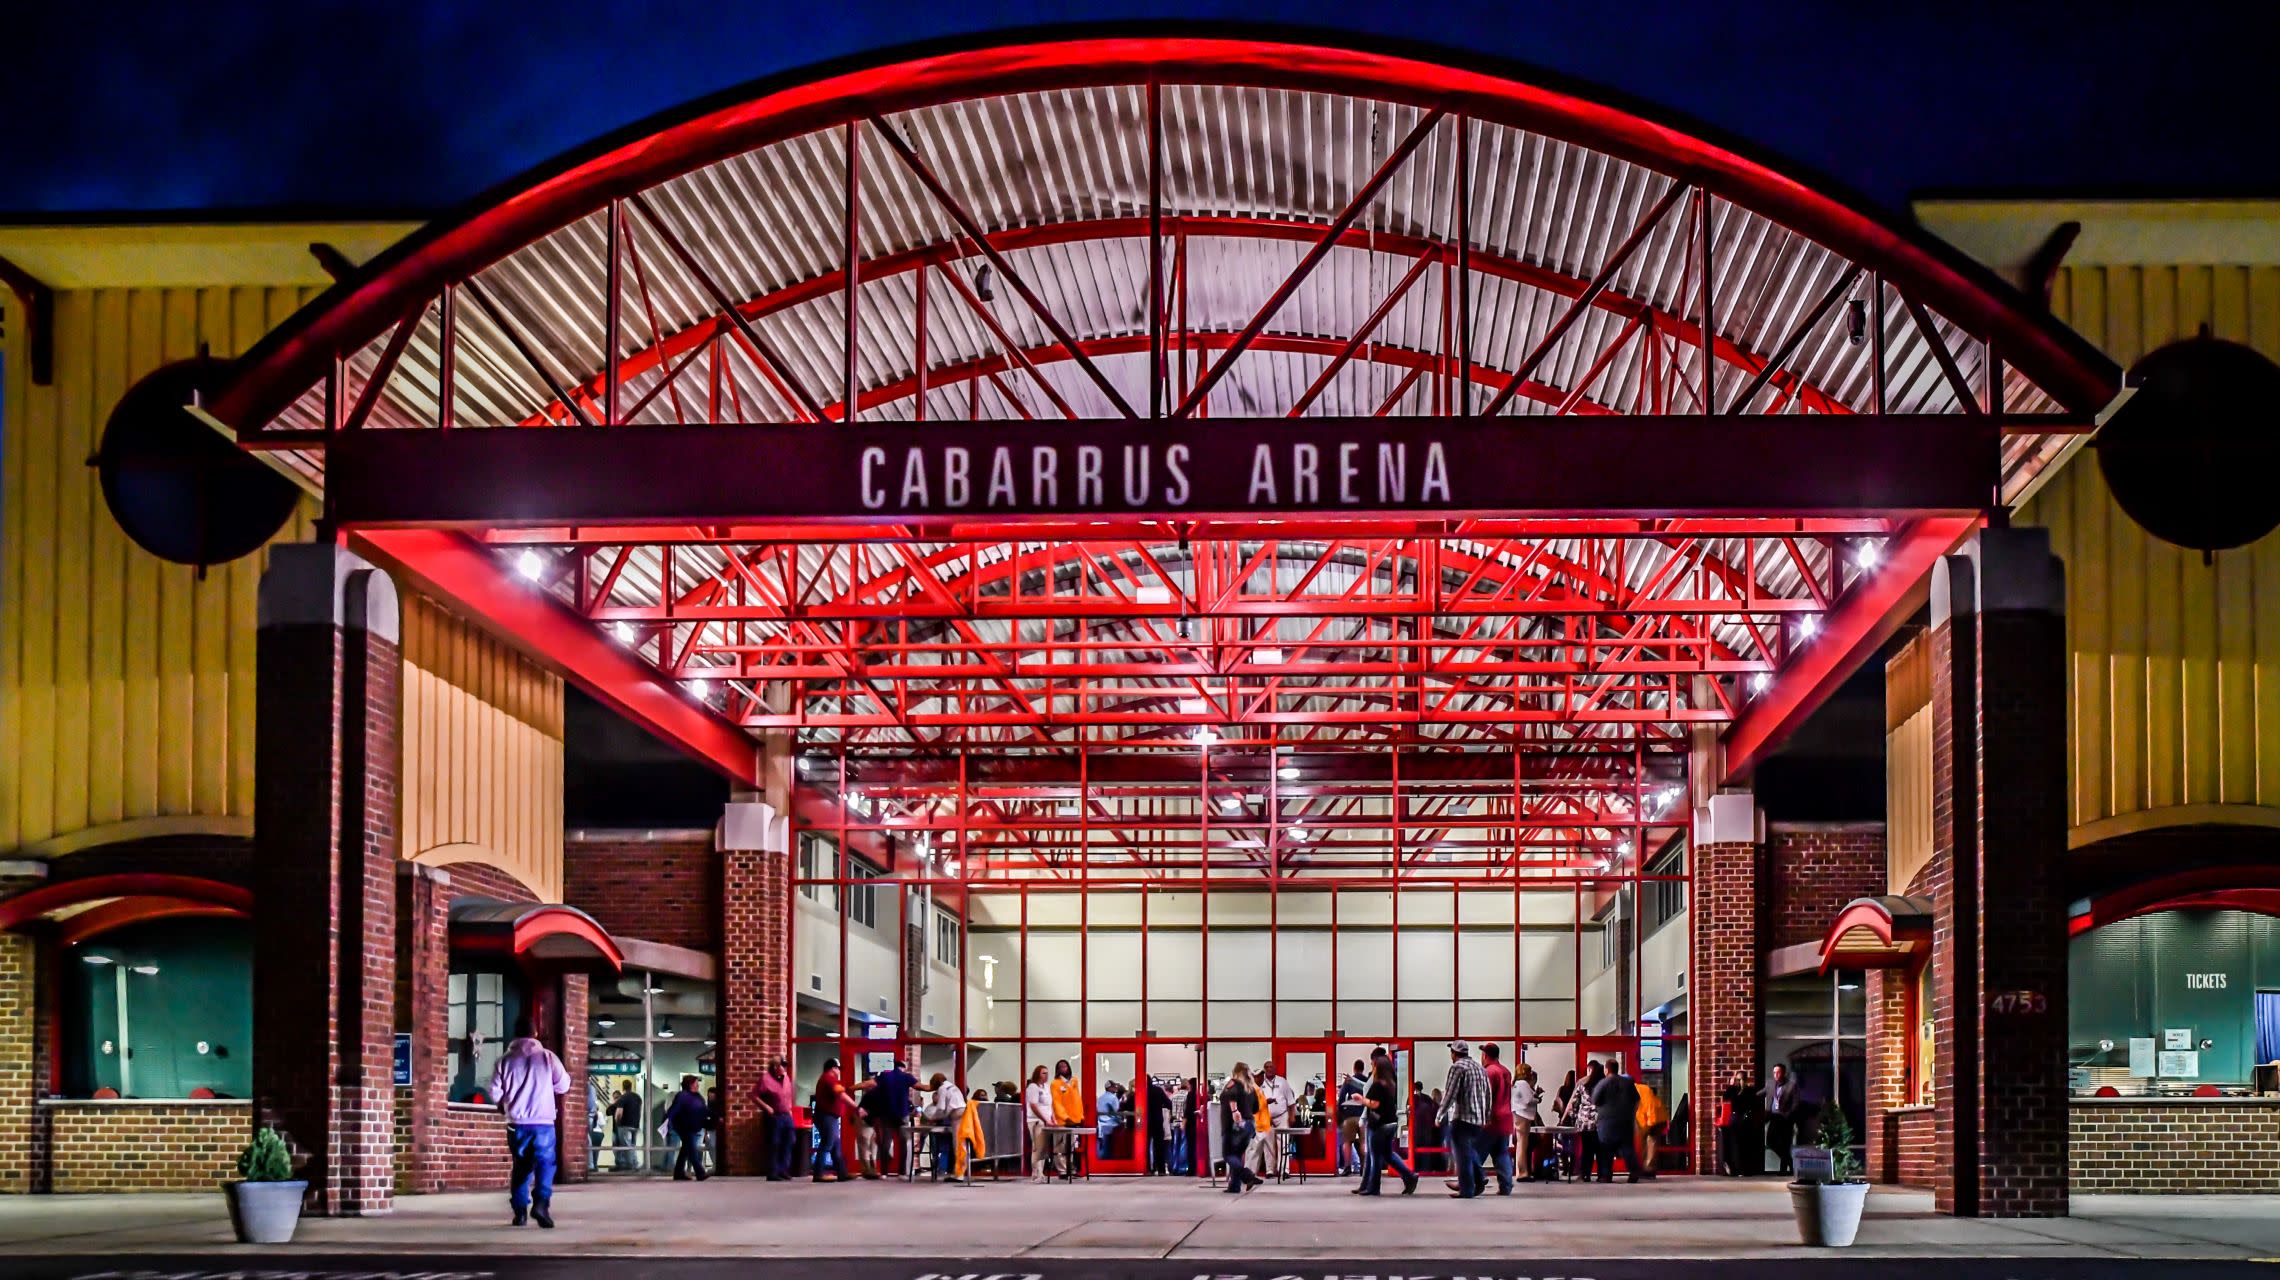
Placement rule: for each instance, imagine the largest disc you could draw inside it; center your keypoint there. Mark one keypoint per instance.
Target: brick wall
(1813, 870)
(2187, 1147)
(677, 875)
(467, 1149)
(141, 1146)
(1722, 1022)
(1955, 802)
(1900, 1147)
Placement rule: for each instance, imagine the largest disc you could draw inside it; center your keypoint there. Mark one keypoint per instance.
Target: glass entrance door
(1119, 1141)
(1307, 1066)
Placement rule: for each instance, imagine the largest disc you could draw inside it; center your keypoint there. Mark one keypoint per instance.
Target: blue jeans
(827, 1147)
(1239, 1141)
(532, 1146)
(1180, 1151)
(1101, 1135)
(1381, 1154)
(691, 1157)
(780, 1139)
(1465, 1151)
(1496, 1149)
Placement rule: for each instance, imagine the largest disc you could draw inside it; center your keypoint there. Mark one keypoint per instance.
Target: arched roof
(1305, 229)
(1044, 141)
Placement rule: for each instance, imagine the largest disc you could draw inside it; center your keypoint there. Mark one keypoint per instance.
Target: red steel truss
(636, 288)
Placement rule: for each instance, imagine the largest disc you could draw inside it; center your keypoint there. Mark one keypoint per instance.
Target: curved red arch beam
(1496, 266)
(2254, 888)
(48, 899)
(97, 921)
(355, 312)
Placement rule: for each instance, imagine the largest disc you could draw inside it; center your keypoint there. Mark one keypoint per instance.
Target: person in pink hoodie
(527, 1084)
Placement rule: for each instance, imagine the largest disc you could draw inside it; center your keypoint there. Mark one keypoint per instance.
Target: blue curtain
(2268, 1026)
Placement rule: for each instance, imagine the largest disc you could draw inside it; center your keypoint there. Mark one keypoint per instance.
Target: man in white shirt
(1267, 1148)
(1037, 1108)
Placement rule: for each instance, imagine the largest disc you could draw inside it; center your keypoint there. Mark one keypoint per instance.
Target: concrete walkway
(1671, 1218)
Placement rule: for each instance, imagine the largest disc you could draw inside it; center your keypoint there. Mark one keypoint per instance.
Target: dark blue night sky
(418, 104)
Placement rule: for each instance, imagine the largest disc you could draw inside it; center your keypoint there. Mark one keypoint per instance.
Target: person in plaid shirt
(1465, 1114)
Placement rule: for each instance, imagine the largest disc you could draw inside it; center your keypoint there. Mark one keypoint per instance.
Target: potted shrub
(265, 1204)
(1828, 1212)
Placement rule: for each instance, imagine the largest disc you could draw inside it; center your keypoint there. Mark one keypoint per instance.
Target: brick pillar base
(1889, 1037)
(1722, 976)
(324, 871)
(423, 994)
(23, 1127)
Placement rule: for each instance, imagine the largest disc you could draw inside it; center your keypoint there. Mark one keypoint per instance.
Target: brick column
(423, 999)
(23, 1048)
(1955, 834)
(1727, 921)
(574, 1132)
(326, 756)
(755, 845)
(1999, 737)
(1888, 1037)
(2022, 895)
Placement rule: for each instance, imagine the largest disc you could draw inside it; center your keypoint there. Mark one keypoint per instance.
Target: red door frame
(1321, 1163)
(1137, 1160)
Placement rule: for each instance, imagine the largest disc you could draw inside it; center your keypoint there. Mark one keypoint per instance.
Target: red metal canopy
(730, 400)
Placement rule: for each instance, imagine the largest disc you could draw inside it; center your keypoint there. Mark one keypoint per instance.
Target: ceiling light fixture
(1868, 555)
(531, 565)
(1288, 773)
(624, 633)
(94, 957)
(1759, 682)
(1267, 657)
(1204, 737)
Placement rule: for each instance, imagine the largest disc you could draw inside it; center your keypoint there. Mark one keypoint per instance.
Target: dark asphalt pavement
(288, 1265)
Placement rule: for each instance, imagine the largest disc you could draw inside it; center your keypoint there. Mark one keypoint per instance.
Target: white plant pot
(1828, 1213)
(265, 1212)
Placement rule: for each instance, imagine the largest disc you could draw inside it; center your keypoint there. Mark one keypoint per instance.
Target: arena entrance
(1224, 550)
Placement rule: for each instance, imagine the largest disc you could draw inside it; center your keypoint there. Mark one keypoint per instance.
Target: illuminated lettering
(1262, 476)
(873, 495)
(1088, 475)
(1436, 474)
(955, 462)
(914, 492)
(1001, 476)
(1348, 472)
(1305, 461)
(1174, 458)
(1044, 476)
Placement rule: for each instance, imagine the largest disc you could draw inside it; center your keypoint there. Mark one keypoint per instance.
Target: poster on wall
(2141, 1055)
(2181, 1063)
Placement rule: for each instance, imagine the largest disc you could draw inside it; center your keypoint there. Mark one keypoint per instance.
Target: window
(862, 900)
(160, 1010)
(1920, 1067)
(819, 861)
(946, 938)
(1665, 899)
(484, 1005)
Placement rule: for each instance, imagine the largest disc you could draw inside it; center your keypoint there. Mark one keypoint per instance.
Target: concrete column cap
(320, 584)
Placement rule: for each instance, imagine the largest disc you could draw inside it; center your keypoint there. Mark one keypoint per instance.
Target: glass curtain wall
(986, 916)
(647, 1031)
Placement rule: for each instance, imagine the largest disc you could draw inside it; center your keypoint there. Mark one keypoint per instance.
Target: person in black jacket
(685, 1118)
(1159, 1120)
(1616, 1098)
(1737, 1128)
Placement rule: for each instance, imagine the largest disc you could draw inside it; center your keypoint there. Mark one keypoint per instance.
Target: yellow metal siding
(2175, 663)
(482, 734)
(1908, 799)
(126, 683)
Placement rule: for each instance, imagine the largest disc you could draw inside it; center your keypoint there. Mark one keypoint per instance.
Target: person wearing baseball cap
(1465, 1115)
